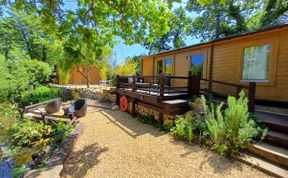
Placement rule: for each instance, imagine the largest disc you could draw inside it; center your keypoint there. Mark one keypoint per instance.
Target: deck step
(270, 152)
(176, 106)
(262, 164)
(274, 121)
(277, 138)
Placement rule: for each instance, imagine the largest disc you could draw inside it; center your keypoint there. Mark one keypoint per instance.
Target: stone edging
(55, 162)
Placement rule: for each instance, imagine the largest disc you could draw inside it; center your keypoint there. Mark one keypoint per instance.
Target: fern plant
(232, 129)
(184, 128)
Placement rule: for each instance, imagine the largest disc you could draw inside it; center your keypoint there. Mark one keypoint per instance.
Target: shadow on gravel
(130, 125)
(220, 164)
(81, 161)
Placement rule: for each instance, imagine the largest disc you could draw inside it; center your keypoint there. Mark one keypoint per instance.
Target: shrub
(64, 76)
(60, 131)
(28, 133)
(40, 94)
(16, 75)
(38, 71)
(184, 128)
(232, 129)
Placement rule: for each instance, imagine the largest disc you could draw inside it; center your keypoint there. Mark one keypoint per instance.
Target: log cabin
(260, 56)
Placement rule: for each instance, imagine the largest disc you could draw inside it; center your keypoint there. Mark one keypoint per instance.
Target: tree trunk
(88, 77)
(56, 68)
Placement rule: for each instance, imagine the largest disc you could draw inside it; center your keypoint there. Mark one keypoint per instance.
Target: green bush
(27, 133)
(232, 129)
(184, 127)
(17, 74)
(60, 131)
(40, 94)
(38, 71)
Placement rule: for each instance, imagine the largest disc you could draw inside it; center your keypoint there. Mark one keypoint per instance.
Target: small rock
(115, 107)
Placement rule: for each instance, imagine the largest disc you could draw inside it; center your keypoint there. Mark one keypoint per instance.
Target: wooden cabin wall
(227, 63)
(228, 59)
(77, 78)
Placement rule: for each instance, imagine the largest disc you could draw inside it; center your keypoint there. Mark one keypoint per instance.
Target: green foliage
(19, 171)
(184, 127)
(61, 131)
(28, 133)
(8, 115)
(175, 37)
(232, 129)
(127, 68)
(16, 76)
(39, 94)
(236, 16)
(38, 71)
(64, 76)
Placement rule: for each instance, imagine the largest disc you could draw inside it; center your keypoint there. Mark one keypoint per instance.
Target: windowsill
(256, 81)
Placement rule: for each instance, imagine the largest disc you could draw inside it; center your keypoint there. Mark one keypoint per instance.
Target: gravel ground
(113, 144)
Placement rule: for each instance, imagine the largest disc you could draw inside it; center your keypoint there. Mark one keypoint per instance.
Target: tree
(97, 22)
(236, 16)
(174, 38)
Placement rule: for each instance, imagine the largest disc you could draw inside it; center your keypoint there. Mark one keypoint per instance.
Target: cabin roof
(221, 39)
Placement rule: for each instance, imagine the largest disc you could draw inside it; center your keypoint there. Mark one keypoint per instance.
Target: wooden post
(189, 85)
(251, 96)
(238, 90)
(117, 87)
(161, 84)
(210, 74)
(133, 83)
(133, 99)
(195, 84)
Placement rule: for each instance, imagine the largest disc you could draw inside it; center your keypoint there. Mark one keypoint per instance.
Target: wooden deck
(161, 94)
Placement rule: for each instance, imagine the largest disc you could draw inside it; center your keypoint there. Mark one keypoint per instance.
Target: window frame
(205, 61)
(163, 59)
(273, 58)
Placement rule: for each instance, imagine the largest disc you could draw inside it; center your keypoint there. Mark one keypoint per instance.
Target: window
(197, 61)
(256, 62)
(164, 66)
(168, 66)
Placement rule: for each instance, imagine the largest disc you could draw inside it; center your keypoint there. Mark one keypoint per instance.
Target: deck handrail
(225, 83)
(193, 85)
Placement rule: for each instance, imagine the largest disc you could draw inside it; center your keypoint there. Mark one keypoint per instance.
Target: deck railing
(160, 85)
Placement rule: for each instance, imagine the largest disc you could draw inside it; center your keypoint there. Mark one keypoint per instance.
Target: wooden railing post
(189, 86)
(133, 102)
(134, 83)
(251, 96)
(161, 84)
(238, 90)
(195, 84)
(117, 87)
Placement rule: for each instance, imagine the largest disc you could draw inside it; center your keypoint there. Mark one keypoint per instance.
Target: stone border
(101, 93)
(55, 162)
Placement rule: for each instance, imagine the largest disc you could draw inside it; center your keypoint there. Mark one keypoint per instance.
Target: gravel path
(113, 144)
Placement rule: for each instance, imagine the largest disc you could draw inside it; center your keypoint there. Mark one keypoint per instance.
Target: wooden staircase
(270, 156)
(278, 127)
